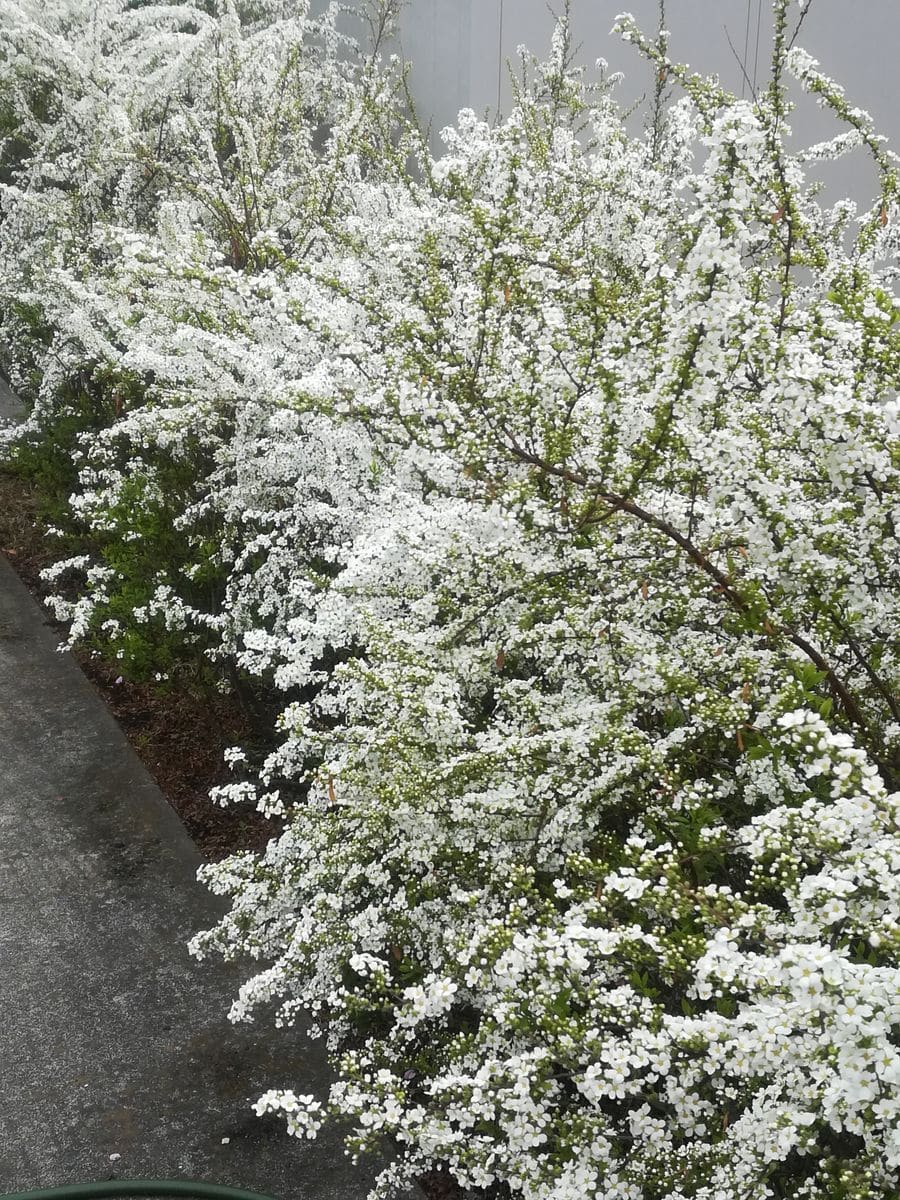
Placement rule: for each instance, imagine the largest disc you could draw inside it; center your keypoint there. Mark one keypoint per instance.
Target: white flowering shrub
(151, 327)
(552, 485)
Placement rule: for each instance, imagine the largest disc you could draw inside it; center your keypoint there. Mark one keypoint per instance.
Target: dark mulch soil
(178, 736)
(20, 539)
(180, 739)
(438, 1185)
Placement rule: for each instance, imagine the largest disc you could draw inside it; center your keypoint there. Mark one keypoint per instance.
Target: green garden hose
(137, 1187)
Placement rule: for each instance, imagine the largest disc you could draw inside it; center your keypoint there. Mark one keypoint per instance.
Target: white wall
(459, 57)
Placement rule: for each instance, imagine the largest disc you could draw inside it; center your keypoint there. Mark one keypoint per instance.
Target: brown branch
(724, 583)
(877, 682)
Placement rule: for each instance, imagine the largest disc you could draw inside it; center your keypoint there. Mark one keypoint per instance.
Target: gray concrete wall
(459, 50)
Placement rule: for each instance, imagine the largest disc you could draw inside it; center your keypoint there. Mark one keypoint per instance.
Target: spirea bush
(552, 483)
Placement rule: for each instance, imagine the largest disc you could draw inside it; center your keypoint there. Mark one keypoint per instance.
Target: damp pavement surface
(116, 1057)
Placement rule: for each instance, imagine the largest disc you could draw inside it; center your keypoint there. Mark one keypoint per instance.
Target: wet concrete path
(115, 1055)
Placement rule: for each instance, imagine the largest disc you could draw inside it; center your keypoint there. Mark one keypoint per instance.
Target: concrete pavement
(116, 1058)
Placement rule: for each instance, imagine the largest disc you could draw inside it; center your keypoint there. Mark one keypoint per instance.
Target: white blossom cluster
(546, 490)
